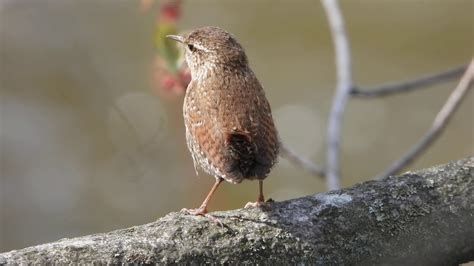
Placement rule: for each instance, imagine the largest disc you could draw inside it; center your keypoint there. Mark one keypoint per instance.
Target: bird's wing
(250, 139)
(233, 131)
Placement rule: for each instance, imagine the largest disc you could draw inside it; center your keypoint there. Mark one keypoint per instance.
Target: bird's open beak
(176, 38)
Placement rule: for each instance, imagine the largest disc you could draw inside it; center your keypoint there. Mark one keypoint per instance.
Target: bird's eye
(191, 47)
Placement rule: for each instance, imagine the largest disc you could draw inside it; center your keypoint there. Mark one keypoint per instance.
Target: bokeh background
(91, 142)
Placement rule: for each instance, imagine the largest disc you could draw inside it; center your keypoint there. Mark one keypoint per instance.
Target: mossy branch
(421, 218)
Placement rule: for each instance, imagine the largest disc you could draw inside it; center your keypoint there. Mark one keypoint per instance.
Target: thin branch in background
(439, 123)
(300, 161)
(344, 86)
(410, 85)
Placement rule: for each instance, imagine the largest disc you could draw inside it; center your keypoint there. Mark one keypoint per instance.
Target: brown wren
(229, 126)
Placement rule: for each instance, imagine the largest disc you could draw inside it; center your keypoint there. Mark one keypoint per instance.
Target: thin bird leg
(202, 210)
(260, 198)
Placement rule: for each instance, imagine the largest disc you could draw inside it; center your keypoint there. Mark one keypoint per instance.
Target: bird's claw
(203, 212)
(198, 211)
(254, 204)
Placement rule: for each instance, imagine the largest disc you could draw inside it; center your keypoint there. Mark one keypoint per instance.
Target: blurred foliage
(168, 16)
(171, 73)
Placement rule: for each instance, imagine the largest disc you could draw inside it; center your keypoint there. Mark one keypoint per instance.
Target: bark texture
(421, 218)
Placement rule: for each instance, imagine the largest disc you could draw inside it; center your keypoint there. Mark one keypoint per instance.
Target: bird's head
(210, 48)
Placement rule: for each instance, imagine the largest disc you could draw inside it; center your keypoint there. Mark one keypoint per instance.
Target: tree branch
(300, 161)
(419, 218)
(410, 85)
(344, 86)
(439, 124)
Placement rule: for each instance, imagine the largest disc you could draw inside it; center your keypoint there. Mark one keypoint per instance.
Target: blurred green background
(87, 145)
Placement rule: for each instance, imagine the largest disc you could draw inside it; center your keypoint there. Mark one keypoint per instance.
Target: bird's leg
(260, 199)
(202, 210)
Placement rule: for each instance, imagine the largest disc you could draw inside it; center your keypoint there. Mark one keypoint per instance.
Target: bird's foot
(203, 212)
(199, 211)
(256, 204)
(259, 203)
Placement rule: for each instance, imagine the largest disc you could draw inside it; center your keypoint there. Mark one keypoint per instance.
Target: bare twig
(409, 85)
(438, 125)
(344, 86)
(298, 160)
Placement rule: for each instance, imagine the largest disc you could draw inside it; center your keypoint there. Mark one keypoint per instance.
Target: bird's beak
(175, 38)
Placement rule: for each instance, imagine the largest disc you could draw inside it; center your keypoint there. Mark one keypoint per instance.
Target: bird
(230, 131)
